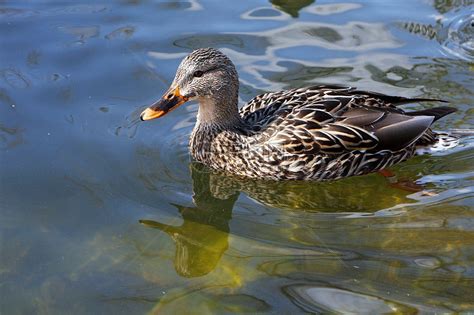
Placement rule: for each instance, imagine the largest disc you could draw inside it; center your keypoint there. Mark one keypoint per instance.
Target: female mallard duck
(313, 133)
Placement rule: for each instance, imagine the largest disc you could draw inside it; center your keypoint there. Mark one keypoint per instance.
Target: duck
(321, 132)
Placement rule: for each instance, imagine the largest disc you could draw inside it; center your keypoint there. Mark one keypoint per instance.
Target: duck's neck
(214, 118)
(220, 113)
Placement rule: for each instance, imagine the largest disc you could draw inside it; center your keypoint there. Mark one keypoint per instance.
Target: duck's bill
(170, 100)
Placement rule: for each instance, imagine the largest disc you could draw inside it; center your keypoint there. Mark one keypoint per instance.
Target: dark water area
(100, 213)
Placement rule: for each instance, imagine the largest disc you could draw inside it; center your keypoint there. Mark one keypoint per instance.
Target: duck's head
(206, 75)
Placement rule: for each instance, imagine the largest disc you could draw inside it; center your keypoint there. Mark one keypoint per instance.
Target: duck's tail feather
(437, 112)
(398, 100)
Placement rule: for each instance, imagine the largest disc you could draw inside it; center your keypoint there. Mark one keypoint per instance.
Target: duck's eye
(198, 74)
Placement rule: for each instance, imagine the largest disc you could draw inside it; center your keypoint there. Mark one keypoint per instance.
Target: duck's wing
(332, 98)
(265, 105)
(302, 132)
(334, 121)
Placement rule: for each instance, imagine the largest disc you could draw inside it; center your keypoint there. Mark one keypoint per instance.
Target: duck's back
(326, 132)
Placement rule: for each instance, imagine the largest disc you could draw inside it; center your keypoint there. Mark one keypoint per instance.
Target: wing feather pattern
(335, 120)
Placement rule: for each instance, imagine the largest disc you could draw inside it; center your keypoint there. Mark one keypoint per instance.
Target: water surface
(102, 214)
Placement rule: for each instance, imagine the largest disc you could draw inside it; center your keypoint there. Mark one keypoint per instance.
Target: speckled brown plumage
(312, 133)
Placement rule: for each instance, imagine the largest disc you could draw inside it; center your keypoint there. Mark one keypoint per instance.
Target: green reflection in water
(292, 7)
(202, 239)
(443, 6)
(386, 262)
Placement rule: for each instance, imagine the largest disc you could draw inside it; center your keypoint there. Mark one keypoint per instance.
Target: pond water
(102, 214)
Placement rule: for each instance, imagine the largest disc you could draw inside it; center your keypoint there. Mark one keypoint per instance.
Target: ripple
(264, 13)
(53, 11)
(336, 8)
(243, 303)
(317, 299)
(82, 33)
(122, 32)
(428, 262)
(457, 38)
(15, 78)
(10, 137)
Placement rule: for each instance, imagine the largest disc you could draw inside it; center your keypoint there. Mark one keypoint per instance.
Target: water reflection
(202, 239)
(454, 31)
(265, 64)
(10, 137)
(443, 6)
(322, 262)
(15, 79)
(326, 299)
(292, 7)
(33, 58)
(122, 32)
(352, 36)
(81, 33)
(338, 196)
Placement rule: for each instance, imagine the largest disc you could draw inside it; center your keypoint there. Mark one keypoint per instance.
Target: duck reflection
(367, 193)
(202, 239)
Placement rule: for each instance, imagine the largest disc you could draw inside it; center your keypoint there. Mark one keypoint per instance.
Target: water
(102, 214)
